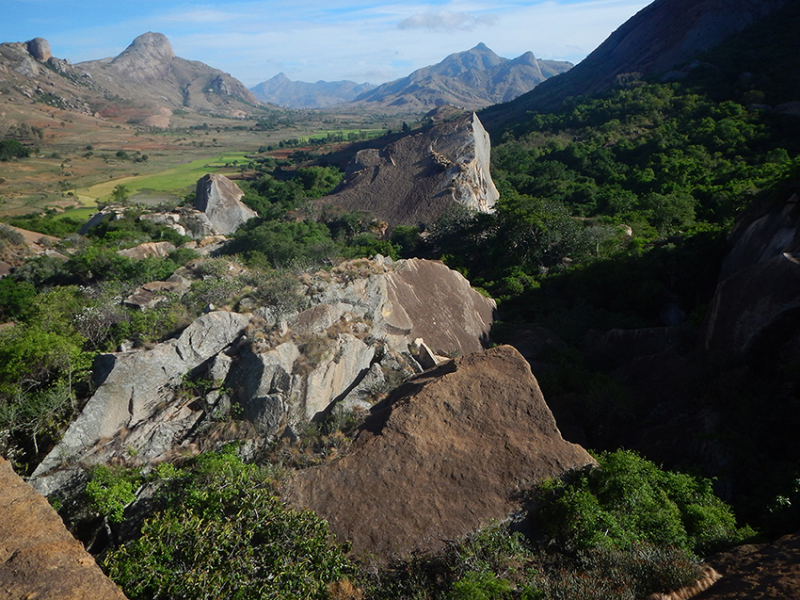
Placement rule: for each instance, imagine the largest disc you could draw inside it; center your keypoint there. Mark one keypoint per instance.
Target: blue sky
(360, 40)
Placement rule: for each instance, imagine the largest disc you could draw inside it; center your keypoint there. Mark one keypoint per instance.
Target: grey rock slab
(139, 382)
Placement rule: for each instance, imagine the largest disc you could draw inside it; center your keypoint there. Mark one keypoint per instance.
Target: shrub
(110, 490)
(627, 500)
(224, 534)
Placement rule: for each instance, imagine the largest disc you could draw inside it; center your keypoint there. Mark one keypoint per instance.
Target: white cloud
(445, 20)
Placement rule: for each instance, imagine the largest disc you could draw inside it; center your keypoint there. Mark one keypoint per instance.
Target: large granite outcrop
(220, 199)
(443, 455)
(755, 313)
(418, 177)
(38, 556)
(135, 387)
(39, 49)
(282, 364)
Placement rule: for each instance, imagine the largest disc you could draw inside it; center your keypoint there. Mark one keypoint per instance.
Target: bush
(224, 534)
(627, 500)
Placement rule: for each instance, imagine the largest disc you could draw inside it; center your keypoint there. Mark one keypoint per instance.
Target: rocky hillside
(664, 35)
(149, 70)
(145, 84)
(283, 91)
(332, 343)
(415, 179)
(473, 79)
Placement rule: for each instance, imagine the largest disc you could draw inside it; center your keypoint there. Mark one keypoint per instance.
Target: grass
(178, 180)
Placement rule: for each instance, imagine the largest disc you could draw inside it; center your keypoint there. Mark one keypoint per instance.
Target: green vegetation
(223, 533)
(10, 149)
(627, 500)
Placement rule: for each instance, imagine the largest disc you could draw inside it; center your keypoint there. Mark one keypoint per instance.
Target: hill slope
(149, 71)
(665, 34)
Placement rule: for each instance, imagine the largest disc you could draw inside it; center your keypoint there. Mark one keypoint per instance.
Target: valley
(395, 348)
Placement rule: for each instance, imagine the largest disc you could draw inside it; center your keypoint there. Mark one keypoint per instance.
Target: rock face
(136, 388)
(39, 48)
(473, 79)
(38, 556)
(416, 178)
(220, 199)
(442, 456)
(755, 313)
(282, 364)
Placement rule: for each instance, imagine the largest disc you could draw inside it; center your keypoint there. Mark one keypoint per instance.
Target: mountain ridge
(472, 79)
(282, 91)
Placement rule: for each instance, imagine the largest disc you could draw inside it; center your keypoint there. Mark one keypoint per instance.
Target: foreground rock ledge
(442, 456)
(38, 556)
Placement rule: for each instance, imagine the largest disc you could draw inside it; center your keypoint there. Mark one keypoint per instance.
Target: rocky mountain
(473, 79)
(660, 37)
(145, 84)
(282, 91)
(149, 70)
(416, 178)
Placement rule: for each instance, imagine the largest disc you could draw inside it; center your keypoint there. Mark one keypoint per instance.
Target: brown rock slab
(442, 456)
(770, 572)
(38, 556)
(418, 177)
(429, 300)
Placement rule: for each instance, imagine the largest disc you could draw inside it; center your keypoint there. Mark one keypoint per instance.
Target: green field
(177, 181)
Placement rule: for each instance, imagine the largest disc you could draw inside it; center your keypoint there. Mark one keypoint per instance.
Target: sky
(358, 40)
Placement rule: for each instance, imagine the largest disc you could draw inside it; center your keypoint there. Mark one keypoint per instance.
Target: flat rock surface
(442, 456)
(38, 556)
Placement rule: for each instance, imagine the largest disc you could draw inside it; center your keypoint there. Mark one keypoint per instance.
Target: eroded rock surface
(442, 456)
(416, 178)
(220, 199)
(755, 313)
(38, 556)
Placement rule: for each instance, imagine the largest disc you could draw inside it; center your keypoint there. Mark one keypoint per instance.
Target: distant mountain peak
(472, 79)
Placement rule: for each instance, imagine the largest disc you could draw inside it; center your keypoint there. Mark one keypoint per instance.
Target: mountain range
(282, 91)
(473, 79)
(146, 84)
